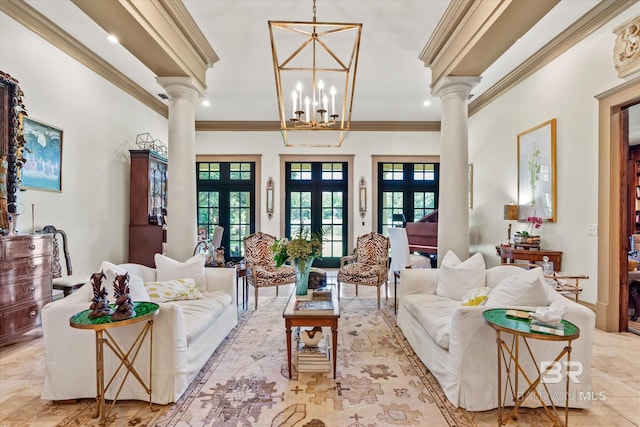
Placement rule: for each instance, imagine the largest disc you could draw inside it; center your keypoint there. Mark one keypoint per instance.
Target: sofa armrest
(222, 279)
(418, 281)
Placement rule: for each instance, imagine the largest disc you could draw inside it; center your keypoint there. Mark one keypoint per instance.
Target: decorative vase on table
(302, 267)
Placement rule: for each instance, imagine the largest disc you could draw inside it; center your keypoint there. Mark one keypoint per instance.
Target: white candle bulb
(294, 98)
(320, 87)
(299, 89)
(333, 100)
(325, 102)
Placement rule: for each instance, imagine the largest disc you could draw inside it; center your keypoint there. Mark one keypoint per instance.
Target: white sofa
(185, 334)
(460, 350)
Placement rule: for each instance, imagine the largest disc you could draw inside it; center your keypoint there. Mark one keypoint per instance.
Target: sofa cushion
(136, 285)
(524, 289)
(170, 269)
(173, 290)
(434, 314)
(456, 278)
(200, 314)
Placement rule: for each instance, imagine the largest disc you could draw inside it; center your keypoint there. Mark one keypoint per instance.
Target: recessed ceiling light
(206, 103)
(112, 38)
(426, 103)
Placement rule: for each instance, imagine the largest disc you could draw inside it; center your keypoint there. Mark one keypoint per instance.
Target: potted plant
(526, 237)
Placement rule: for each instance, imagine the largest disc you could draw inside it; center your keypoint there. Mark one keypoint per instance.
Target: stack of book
(314, 307)
(314, 359)
(547, 328)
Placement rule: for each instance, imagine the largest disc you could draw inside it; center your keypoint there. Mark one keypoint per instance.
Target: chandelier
(315, 82)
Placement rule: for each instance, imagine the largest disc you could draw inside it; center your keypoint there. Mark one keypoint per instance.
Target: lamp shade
(511, 212)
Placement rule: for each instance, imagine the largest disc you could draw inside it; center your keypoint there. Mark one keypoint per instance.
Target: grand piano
(423, 234)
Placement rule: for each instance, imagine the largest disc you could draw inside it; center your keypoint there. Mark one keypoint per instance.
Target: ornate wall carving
(626, 52)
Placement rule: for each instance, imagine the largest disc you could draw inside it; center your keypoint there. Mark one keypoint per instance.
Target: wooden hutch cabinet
(147, 206)
(25, 282)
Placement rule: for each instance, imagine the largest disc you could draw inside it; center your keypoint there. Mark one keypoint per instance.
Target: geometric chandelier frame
(315, 83)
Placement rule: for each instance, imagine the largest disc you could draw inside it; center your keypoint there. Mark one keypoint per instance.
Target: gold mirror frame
(537, 170)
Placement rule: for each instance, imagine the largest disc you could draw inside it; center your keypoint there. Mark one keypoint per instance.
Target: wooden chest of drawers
(25, 283)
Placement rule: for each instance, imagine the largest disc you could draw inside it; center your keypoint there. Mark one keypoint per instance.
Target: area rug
(247, 383)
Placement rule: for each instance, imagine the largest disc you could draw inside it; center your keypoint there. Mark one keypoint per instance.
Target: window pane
(392, 171)
(424, 172)
(301, 171)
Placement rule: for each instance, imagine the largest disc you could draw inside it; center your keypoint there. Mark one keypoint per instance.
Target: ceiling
(392, 82)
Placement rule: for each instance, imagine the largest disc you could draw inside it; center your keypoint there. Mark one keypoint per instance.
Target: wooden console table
(509, 254)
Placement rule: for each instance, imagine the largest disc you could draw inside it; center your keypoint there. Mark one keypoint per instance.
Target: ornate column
(453, 202)
(181, 184)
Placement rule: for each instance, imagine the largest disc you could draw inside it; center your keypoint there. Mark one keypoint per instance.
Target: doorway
(316, 195)
(631, 142)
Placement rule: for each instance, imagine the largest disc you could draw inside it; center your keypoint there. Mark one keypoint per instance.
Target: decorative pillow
(170, 269)
(476, 296)
(632, 264)
(456, 278)
(524, 289)
(136, 285)
(173, 290)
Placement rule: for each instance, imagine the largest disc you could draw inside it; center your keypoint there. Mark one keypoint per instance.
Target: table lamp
(511, 213)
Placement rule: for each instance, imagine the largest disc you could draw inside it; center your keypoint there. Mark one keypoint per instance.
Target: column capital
(182, 87)
(458, 85)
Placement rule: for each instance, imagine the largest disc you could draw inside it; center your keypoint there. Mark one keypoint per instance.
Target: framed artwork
(42, 169)
(537, 170)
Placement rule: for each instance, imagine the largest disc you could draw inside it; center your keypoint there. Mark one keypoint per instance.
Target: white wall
(100, 123)
(564, 90)
(362, 144)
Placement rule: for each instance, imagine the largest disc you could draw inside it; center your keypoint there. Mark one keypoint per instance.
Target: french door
(226, 197)
(316, 197)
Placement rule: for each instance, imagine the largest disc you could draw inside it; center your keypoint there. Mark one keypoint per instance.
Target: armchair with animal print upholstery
(369, 266)
(261, 265)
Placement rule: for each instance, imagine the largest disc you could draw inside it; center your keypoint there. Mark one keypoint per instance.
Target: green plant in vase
(301, 250)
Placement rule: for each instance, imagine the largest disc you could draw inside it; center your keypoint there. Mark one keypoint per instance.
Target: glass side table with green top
(145, 311)
(498, 319)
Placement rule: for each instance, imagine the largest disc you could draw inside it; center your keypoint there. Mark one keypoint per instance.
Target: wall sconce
(363, 197)
(270, 197)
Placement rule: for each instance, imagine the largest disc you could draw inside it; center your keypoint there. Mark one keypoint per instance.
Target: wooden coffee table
(293, 319)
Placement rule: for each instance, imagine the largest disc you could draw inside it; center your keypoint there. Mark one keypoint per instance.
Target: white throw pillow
(523, 289)
(173, 290)
(136, 284)
(170, 269)
(456, 278)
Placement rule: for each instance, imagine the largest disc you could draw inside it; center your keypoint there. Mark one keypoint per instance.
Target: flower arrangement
(298, 248)
(534, 222)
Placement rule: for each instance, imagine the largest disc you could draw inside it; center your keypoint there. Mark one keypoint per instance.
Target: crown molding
(602, 13)
(358, 126)
(33, 20)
